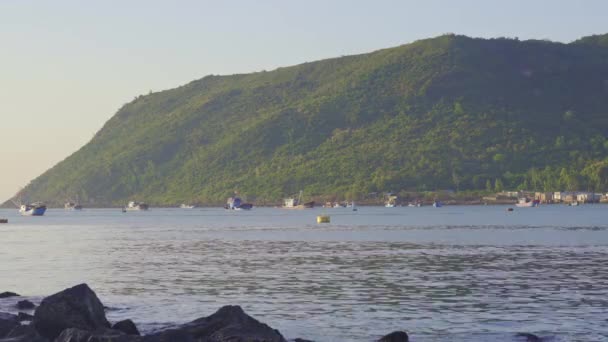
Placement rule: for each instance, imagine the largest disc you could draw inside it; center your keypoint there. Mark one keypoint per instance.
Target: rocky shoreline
(77, 315)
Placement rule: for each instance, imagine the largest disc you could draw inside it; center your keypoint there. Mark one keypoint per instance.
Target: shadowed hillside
(450, 112)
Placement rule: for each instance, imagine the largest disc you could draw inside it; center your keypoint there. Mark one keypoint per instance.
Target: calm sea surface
(457, 273)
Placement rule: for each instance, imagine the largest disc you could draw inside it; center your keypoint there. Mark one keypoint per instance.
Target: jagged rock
(395, 336)
(127, 326)
(22, 316)
(528, 337)
(171, 335)
(25, 305)
(23, 333)
(228, 324)
(7, 323)
(8, 294)
(76, 307)
(99, 335)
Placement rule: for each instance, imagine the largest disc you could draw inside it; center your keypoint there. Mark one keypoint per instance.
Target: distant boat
(437, 204)
(186, 206)
(296, 203)
(525, 202)
(235, 203)
(33, 209)
(29, 209)
(72, 206)
(135, 206)
(391, 202)
(573, 204)
(340, 205)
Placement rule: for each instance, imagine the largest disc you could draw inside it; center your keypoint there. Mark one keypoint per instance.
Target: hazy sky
(67, 66)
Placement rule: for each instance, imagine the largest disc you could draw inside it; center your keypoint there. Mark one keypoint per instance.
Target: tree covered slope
(450, 112)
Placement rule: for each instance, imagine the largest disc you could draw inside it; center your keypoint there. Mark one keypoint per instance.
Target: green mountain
(450, 112)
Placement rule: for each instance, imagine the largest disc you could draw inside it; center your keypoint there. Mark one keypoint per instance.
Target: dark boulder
(99, 335)
(76, 307)
(25, 305)
(127, 326)
(23, 333)
(8, 294)
(7, 323)
(527, 337)
(228, 324)
(22, 316)
(170, 335)
(395, 336)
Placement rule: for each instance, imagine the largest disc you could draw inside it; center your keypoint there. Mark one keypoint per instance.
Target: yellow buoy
(323, 219)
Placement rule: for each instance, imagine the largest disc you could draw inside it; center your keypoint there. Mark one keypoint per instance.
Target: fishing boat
(414, 204)
(525, 202)
(135, 206)
(391, 202)
(340, 205)
(187, 206)
(33, 209)
(72, 206)
(437, 204)
(235, 203)
(296, 203)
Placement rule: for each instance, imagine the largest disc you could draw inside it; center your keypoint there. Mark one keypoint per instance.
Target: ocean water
(457, 273)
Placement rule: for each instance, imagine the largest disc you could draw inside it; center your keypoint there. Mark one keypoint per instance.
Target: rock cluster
(77, 315)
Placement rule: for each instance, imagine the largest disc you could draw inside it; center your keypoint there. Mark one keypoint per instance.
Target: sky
(67, 66)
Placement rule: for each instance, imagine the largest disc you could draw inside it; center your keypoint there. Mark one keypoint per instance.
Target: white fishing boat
(391, 202)
(525, 202)
(296, 203)
(235, 203)
(135, 206)
(72, 206)
(186, 206)
(33, 209)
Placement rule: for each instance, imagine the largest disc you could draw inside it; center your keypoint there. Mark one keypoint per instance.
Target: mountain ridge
(450, 112)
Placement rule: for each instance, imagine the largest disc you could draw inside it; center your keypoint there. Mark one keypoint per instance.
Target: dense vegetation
(450, 112)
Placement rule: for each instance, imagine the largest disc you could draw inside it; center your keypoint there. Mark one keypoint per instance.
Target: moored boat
(186, 206)
(437, 204)
(236, 203)
(391, 201)
(33, 209)
(525, 202)
(135, 206)
(72, 206)
(340, 205)
(296, 203)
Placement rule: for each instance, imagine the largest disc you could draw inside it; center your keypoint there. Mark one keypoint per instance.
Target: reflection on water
(461, 274)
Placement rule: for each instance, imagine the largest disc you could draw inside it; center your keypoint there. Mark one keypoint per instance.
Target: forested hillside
(450, 112)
